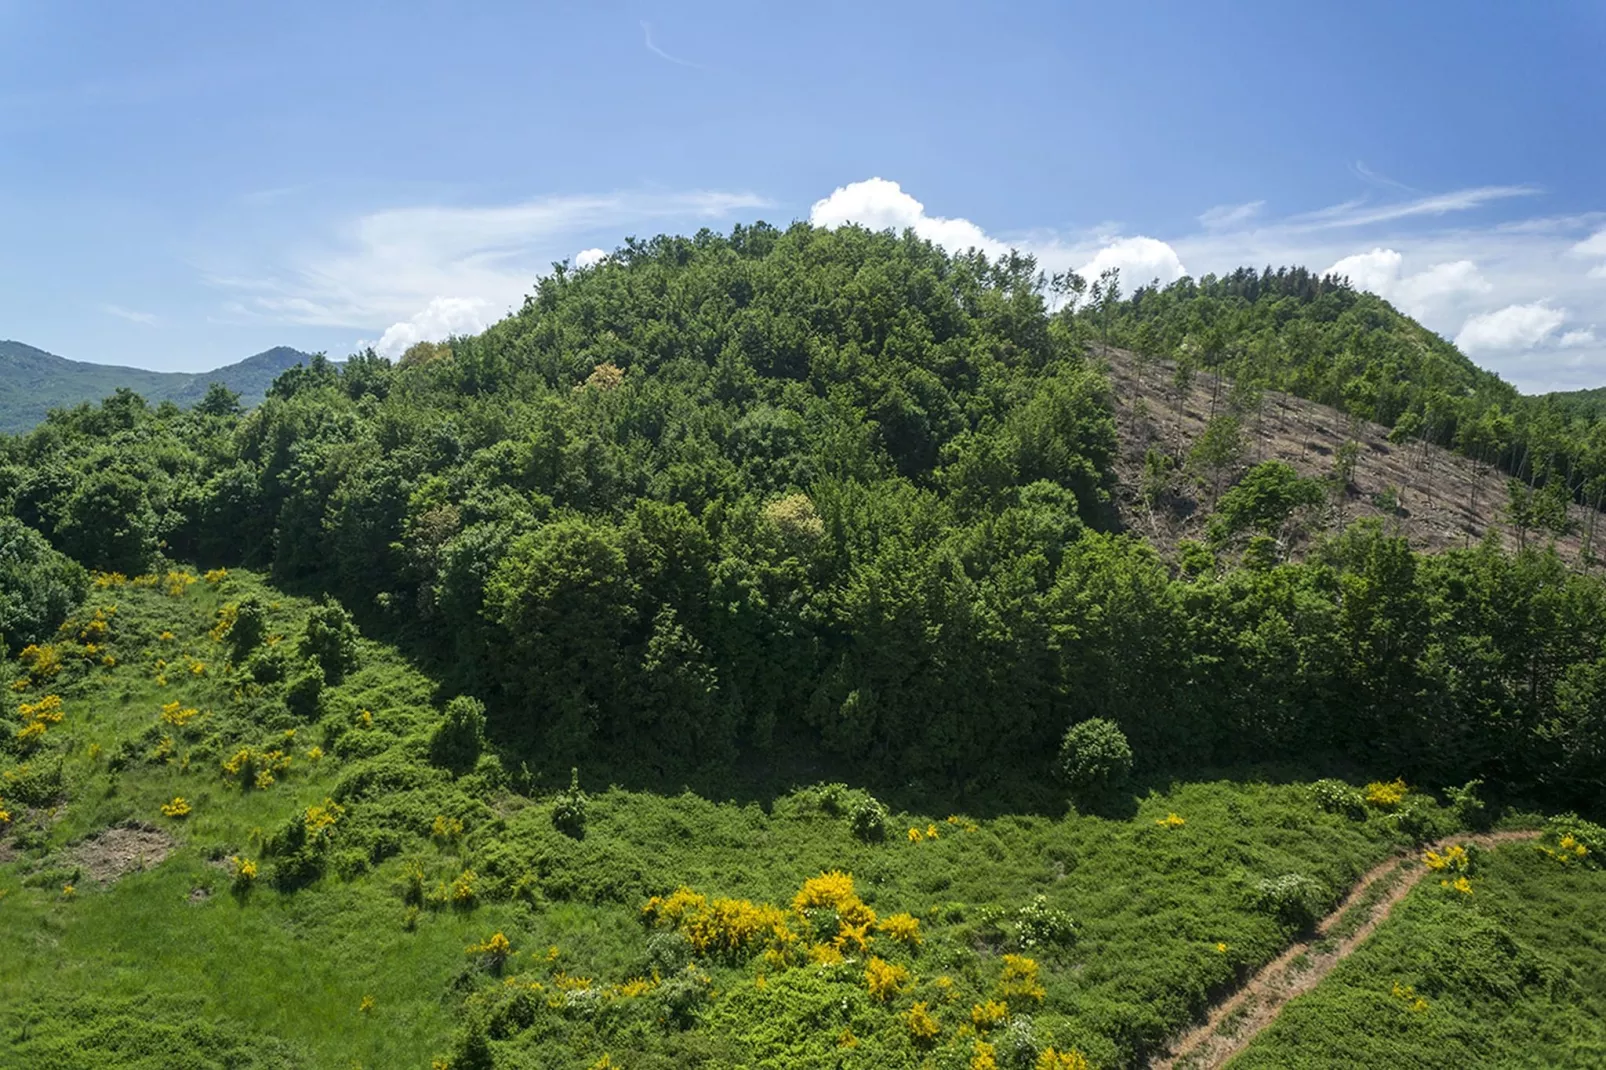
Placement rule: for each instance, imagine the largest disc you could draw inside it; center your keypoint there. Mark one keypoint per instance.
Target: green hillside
(1476, 975)
(734, 659)
(1318, 338)
(32, 382)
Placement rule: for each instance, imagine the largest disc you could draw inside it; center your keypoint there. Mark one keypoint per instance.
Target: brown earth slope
(1444, 500)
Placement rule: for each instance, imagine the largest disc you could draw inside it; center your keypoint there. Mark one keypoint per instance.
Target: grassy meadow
(339, 887)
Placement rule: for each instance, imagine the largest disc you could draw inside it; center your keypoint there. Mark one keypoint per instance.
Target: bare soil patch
(116, 852)
(1239, 1018)
(1442, 499)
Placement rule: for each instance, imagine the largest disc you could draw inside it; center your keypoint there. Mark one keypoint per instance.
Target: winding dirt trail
(1301, 968)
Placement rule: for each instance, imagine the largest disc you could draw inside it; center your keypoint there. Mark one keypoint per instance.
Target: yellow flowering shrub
(732, 927)
(104, 580)
(1049, 1059)
(1018, 981)
(984, 1016)
(257, 768)
(462, 890)
(634, 988)
(367, 1005)
(1407, 995)
(1172, 821)
(314, 754)
(1386, 796)
(833, 893)
(446, 829)
(227, 614)
(825, 955)
(216, 576)
(42, 662)
(1455, 859)
(983, 1056)
(922, 1027)
(1460, 884)
(177, 714)
(494, 950)
(244, 872)
(320, 820)
(97, 628)
(884, 979)
(905, 928)
(671, 911)
(178, 808)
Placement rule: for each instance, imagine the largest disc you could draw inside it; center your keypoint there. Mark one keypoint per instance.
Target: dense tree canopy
(839, 491)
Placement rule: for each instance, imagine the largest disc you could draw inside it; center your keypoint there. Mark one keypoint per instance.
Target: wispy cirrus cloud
(652, 46)
(415, 272)
(144, 319)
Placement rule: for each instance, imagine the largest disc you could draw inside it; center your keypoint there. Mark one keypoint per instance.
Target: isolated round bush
(1094, 758)
(458, 739)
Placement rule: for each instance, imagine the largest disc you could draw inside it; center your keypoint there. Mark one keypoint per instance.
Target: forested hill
(811, 496)
(32, 382)
(1320, 339)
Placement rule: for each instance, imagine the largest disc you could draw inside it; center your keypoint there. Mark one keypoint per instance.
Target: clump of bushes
(1337, 797)
(569, 811)
(1293, 899)
(330, 639)
(1094, 760)
(458, 739)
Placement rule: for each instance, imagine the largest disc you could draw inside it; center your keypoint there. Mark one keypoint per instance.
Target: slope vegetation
(32, 382)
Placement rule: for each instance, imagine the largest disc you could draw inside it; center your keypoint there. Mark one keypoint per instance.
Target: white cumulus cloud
(1420, 294)
(880, 204)
(1140, 261)
(435, 322)
(1594, 245)
(1514, 327)
(1580, 339)
(587, 257)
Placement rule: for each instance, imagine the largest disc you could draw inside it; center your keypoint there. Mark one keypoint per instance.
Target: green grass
(277, 978)
(1513, 975)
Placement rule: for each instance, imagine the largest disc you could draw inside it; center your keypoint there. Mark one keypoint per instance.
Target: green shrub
(683, 994)
(868, 819)
(569, 811)
(330, 638)
(305, 689)
(36, 783)
(458, 739)
(1337, 797)
(1040, 925)
(38, 586)
(1293, 899)
(1094, 759)
(248, 628)
(1469, 810)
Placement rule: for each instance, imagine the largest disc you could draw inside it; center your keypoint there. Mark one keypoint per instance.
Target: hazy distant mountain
(32, 382)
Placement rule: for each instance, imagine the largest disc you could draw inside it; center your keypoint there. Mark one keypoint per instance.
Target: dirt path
(1301, 968)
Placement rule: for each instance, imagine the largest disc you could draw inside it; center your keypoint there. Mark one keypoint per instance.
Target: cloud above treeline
(1525, 297)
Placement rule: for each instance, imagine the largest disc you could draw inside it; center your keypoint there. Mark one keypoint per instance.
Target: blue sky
(183, 184)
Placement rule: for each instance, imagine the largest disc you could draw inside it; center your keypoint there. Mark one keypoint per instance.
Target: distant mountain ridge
(32, 381)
